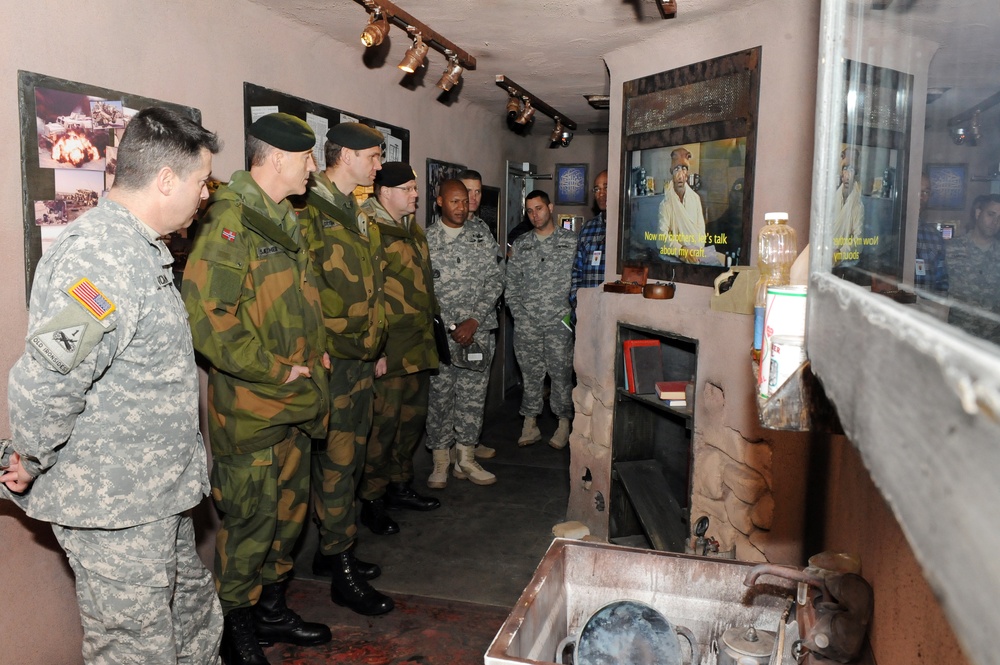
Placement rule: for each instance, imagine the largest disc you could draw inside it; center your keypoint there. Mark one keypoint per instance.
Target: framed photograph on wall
(688, 169)
(437, 172)
(949, 183)
(571, 184)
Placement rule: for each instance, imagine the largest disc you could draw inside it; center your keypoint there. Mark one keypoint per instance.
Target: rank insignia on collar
(229, 235)
(95, 302)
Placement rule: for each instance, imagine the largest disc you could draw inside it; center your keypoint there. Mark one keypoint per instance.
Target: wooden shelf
(655, 402)
(655, 506)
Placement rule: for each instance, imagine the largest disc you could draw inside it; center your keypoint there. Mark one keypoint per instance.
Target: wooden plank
(661, 516)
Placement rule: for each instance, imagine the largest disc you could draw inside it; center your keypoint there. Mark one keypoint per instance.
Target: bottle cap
(775, 215)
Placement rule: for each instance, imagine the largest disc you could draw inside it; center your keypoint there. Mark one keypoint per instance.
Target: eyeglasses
(410, 189)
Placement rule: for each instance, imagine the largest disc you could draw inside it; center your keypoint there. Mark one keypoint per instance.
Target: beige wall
(199, 54)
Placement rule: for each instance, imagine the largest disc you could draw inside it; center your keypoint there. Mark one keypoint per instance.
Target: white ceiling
(554, 48)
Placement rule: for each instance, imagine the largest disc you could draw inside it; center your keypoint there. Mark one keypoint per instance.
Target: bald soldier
(256, 317)
(682, 219)
(348, 256)
(468, 280)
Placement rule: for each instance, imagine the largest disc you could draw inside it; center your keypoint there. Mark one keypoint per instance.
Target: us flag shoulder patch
(229, 235)
(95, 302)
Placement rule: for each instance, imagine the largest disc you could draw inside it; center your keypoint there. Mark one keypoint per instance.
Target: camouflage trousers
(456, 405)
(541, 351)
(336, 470)
(145, 597)
(264, 499)
(397, 427)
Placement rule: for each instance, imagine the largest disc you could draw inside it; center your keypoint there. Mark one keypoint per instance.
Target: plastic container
(776, 251)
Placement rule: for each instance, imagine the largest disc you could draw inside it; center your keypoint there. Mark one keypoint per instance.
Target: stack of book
(643, 361)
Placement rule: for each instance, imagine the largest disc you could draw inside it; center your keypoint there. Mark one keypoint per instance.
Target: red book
(627, 347)
(670, 389)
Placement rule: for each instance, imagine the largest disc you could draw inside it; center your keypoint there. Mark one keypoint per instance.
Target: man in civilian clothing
(588, 266)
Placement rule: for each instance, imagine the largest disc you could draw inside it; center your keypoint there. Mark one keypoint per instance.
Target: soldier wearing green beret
(254, 304)
(410, 353)
(347, 253)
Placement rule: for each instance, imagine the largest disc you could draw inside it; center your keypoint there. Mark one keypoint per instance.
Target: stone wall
(749, 481)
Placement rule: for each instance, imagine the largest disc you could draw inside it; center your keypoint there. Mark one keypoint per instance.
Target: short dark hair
(158, 137)
(331, 151)
(538, 194)
(257, 150)
(469, 174)
(982, 201)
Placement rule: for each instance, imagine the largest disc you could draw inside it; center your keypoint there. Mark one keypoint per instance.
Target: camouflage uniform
(255, 311)
(348, 255)
(468, 279)
(401, 394)
(974, 285)
(104, 413)
(538, 280)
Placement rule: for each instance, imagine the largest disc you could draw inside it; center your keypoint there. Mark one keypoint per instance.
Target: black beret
(394, 174)
(284, 131)
(355, 136)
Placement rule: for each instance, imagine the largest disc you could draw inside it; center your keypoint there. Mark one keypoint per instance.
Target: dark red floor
(420, 630)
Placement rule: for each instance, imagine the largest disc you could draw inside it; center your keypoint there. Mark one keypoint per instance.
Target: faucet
(835, 624)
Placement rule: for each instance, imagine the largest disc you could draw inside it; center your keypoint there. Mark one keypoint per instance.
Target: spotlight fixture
(452, 75)
(521, 115)
(376, 30)
(513, 105)
(526, 114)
(414, 56)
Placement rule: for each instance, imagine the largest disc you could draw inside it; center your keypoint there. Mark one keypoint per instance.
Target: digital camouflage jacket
(349, 264)
(409, 293)
(254, 305)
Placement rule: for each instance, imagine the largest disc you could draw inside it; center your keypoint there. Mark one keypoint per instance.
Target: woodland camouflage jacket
(254, 306)
(409, 293)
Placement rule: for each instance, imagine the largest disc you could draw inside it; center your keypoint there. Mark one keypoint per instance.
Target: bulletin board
(69, 144)
(258, 101)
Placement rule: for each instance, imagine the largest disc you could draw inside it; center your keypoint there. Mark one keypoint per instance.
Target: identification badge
(595, 258)
(921, 269)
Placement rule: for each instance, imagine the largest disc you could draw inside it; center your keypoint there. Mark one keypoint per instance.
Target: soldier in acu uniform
(468, 280)
(538, 280)
(104, 408)
(254, 304)
(410, 353)
(348, 257)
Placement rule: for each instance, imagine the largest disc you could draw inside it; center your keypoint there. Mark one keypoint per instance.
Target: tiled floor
(456, 570)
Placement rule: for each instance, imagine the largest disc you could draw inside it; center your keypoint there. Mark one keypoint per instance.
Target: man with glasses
(346, 248)
(410, 354)
(588, 266)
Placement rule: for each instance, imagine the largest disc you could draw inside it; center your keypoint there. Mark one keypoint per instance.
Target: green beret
(355, 136)
(284, 132)
(394, 174)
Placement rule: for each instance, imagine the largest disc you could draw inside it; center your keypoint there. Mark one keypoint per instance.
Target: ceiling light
(556, 133)
(560, 136)
(414, 56)
(513, 106)
(376, 30)
(452, 75)
(565, 137)
(526, 114)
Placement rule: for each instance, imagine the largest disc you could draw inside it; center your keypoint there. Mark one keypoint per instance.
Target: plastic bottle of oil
(776, 252)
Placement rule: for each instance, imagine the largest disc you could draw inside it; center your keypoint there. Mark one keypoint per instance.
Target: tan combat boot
(561, 436)
(529, 433)
(438, 479)
(485, 452)
(468, 468)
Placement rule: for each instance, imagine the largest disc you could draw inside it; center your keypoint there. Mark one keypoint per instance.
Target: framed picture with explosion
(69, 137)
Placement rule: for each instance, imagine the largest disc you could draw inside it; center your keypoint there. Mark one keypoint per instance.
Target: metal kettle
(745, 645)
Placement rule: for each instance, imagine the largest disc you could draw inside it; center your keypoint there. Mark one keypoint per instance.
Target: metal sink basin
(575, 579)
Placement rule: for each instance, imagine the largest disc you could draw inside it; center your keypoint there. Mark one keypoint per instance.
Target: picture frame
(949, 186)
(687, 169)
(571, 185)
(437, 172)
(570, 222)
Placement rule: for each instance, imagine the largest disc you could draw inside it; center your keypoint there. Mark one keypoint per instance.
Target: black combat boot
(274, 622)
(374, 517)
(349, 589)
(323, 566)
(239, 641)
(401, 495)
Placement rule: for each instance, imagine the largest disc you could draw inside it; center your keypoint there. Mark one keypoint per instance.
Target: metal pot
(628, 631)
(745, 645)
